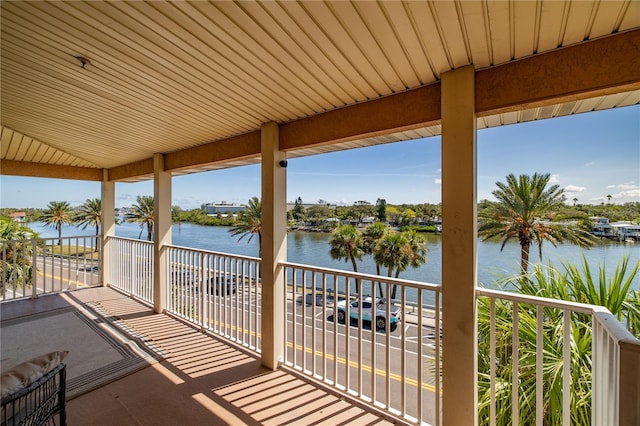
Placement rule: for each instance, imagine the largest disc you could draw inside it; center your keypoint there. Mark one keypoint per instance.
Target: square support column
(161, 230)
(273, 246)
(108, 223)
(459, 248)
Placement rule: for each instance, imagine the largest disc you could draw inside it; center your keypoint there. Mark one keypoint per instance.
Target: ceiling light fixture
(83, 61)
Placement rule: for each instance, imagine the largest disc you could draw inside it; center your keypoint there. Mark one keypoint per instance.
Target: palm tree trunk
(524, 257)
(60, 234)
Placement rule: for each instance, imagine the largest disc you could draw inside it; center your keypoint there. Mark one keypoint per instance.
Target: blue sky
(591, 155)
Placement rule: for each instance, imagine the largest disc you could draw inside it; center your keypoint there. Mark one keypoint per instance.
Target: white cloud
(590, 163)
(611, 186)
(438, 181)
(574, 188)
(554, 179)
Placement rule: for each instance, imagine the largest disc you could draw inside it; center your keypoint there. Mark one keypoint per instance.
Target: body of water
(313, 249)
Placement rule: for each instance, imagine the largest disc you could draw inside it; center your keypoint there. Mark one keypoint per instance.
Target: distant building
(627, 231)
(223, 208)
(290, 206)
(602, 228)
(19, 217)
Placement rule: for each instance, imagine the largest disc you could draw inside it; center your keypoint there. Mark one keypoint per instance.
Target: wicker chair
(41, 403)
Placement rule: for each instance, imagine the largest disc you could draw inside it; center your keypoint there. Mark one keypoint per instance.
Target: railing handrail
(583, 308)
(614, 326)
(218, 253)
(50, 238)
(135, 240)
(370, 277)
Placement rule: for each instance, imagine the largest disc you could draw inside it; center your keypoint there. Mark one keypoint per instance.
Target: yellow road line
(367, 368)
(70, 281)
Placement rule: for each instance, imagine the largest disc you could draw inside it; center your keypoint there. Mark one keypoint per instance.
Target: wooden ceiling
(169, 77)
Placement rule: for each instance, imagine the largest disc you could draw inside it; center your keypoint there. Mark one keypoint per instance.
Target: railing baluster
(566, 367)
(539, 364)
(515, 397)
(492, 358)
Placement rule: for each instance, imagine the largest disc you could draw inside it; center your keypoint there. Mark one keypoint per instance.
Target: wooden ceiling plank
(334, 26)
(477, 34)
(181, 42)
(551, 25)
(258, 45)
(287, 49)
(430, 36)
(525, 16)
(580, 16)
(320, 47)
(43, 56)
(406, 26)
(5, 141)
(606, 20)
(23, 148)
(500, 30)
(240, 63)
(14, 145)
(147, 51)
(450, 32)
(387, 52)
(630, 18)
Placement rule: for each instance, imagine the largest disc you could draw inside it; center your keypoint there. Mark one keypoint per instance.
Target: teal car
(369, 311)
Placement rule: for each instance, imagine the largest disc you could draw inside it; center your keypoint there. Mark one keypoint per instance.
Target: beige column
(108, 223)
(459, 236)
(273, 246)
(161, 230)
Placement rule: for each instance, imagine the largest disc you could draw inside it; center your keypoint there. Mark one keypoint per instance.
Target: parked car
(221, 284)
(370, 311)
(320, 297)
(89, 268)
(184, 277)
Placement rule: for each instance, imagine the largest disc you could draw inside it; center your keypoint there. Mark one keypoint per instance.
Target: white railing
(32, 267)
(360, 349)
(219, 292)
(610, 368)
(530, 342)
(131, 267)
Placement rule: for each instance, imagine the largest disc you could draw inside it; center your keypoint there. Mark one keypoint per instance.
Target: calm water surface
(313, 249)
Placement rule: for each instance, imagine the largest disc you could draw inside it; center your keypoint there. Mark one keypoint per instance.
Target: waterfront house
(18, 216)
(130, 91)
(602, 227)
(626, 231)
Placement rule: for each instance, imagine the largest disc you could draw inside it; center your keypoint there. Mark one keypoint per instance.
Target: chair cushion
(22, 375)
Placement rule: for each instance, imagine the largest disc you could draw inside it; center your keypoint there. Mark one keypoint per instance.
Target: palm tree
(346, 243)
(399, 250)
(371, 235)
(175, 216)
(524, 211)
(142, 213)
(58, 213)
(16, 254)
(249, 223)
(90, 214)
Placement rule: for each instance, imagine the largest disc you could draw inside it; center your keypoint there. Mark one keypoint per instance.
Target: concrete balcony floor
(201, 380)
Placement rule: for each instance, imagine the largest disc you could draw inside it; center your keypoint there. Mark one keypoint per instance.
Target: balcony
(339, 359)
